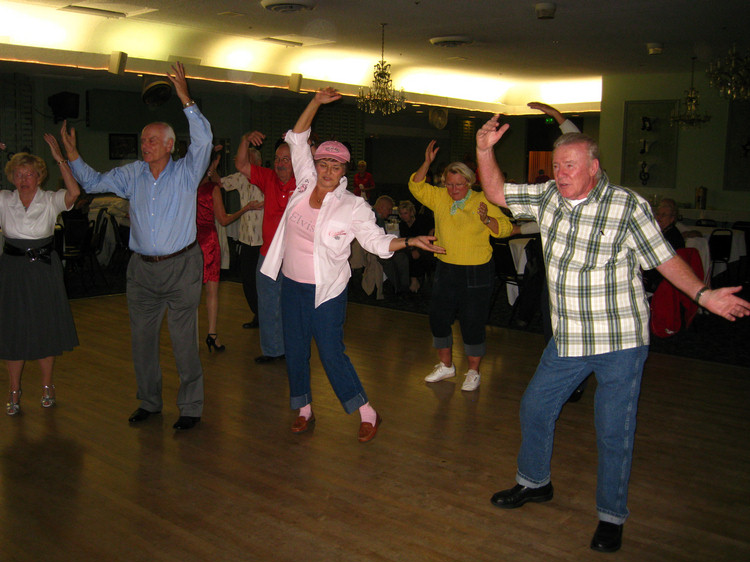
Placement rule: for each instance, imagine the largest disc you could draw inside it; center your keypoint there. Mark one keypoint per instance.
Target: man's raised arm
(492, 179)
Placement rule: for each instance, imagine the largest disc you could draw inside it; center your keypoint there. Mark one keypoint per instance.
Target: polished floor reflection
(79, 483)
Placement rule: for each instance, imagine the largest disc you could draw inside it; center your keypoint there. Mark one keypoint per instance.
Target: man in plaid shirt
(596, 236)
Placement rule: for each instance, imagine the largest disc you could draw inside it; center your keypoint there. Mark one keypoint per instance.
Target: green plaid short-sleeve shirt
(594, 252)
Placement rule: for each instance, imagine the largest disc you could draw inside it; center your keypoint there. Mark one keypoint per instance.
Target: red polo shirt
(276, 198)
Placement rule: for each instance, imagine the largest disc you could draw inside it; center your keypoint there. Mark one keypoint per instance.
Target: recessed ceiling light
(285, 6)
(451, 41)
(654, 48)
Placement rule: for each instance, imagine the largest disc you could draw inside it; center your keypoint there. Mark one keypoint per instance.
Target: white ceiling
(586, 38)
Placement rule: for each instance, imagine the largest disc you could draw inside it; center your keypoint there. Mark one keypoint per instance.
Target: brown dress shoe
(367, 431)
(302, 424)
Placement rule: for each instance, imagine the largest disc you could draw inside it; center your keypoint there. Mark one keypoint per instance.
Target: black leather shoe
(186, 422)
(249, 325)
(519, 495)
(139, 415)
(268, 358)
(607, 538)
(578, 392)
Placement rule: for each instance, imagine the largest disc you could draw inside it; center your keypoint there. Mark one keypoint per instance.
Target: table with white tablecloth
(723, 218)
(737, 251)
(701, 245)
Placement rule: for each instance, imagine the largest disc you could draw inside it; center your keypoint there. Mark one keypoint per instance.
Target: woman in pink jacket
(311, 250)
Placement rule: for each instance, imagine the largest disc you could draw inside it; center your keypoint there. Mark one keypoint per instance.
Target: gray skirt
(35, 317)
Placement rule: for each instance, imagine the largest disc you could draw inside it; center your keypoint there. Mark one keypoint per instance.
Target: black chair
(96, 247)
(720, 247)
(744, 226)
(705, 222)
(121, 254)
(77, 232)
(505, 272)
(83, 243)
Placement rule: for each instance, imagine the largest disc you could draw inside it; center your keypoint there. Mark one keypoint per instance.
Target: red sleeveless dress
(207, 235)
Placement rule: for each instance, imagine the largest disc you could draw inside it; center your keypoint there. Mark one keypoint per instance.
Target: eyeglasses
(20, 175)
(455, 185)
(284, 159)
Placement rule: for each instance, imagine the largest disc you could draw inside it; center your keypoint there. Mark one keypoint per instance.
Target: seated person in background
(363, 182)
(541, 176)
(666, 217)
(396, 268)
(250, 235)
(412, 225)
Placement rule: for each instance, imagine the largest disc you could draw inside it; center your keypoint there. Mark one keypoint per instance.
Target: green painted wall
(700, 151)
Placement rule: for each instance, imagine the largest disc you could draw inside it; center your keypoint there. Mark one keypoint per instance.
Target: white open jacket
(343, 216)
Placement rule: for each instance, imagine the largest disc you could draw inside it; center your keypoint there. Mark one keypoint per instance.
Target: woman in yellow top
(462, 286)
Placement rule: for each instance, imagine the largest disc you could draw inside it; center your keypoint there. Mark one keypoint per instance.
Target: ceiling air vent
(285, 6)
(451, 41)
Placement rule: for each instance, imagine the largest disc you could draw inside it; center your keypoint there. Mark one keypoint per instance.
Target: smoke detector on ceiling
(285, 6)
(451, 41)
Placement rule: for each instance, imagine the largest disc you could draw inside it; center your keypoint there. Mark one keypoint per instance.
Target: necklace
(319, 198)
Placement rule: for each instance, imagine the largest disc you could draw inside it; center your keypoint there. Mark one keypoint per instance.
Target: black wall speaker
(64, 105)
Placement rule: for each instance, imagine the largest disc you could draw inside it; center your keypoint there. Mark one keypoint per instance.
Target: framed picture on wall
(123, 146)
(649, 145)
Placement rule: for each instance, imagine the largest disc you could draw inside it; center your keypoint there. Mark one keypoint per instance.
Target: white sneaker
(441, 372)
(472, 380)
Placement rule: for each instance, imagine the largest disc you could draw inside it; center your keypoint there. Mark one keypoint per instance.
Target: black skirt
(35, 317)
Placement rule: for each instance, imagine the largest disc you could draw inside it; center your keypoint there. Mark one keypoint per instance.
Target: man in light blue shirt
(166, 269)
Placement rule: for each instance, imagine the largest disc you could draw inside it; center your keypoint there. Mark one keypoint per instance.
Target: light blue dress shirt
(162, 211)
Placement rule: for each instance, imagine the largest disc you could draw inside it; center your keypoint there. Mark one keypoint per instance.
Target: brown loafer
(367, 431)
(302, 424)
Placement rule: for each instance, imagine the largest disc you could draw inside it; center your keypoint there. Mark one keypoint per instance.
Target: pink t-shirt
(300, 236)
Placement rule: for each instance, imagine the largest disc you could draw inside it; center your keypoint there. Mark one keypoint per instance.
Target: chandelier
(731, 75)
(686, 113)
(381, 96)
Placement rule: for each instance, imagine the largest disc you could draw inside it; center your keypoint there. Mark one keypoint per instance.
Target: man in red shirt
(363, 182)
(276, 185)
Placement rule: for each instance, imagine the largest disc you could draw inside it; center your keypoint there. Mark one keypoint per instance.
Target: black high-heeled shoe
(211, 343)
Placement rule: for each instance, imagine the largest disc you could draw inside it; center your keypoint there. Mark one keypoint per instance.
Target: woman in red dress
(210, 207)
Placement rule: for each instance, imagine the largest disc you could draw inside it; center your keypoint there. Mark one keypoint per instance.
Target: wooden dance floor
(80, 483)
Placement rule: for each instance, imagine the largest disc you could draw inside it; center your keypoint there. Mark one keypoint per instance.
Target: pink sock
(306, 411)
(368, 414)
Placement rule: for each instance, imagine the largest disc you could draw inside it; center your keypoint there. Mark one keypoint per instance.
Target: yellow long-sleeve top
(465, 239)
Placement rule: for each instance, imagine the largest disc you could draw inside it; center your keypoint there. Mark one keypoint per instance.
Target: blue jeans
(618, 376)
(302, 322)
(269, 313)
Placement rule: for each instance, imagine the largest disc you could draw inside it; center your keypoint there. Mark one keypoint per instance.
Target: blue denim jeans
(618, 376)
(269, 313)
(302, 322)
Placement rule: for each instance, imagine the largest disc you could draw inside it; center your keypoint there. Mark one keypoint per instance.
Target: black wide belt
(154, 259)
(43, 253)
